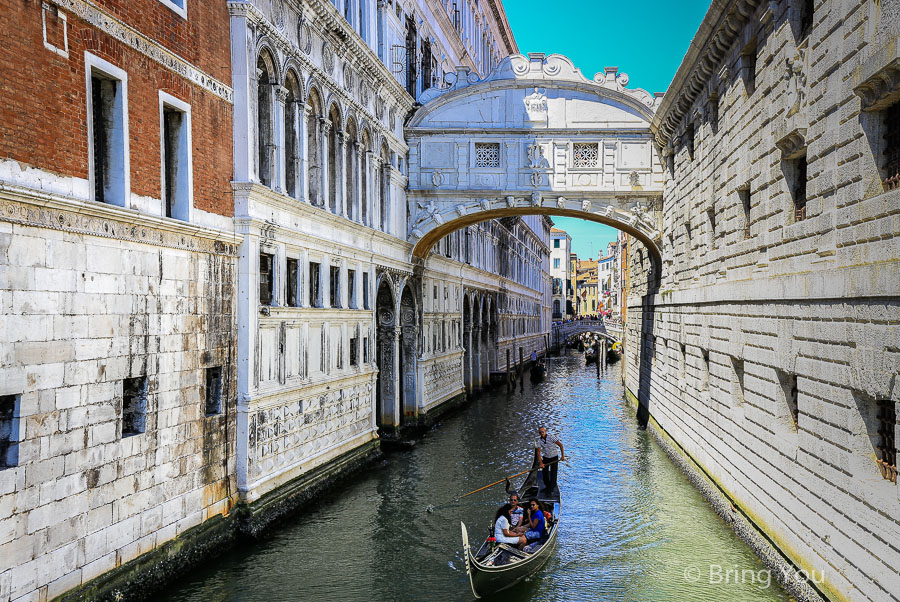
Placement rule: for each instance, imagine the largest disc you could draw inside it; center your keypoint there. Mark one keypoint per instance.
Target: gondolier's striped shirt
(548, 446)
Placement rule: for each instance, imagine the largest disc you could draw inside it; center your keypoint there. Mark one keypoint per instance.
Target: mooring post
(507, 370)
(603, 351)
(521, 363)
(597, 351)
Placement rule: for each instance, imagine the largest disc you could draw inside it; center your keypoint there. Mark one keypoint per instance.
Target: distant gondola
(495, 568)
(612, 356)
(590, 355)
(538, 371)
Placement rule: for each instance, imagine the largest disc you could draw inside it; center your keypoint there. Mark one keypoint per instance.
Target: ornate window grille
(887, 448)
(586, 154)
(892, 147)
(487, 154)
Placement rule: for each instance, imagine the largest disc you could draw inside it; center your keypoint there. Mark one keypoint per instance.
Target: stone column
(324, 131)
(376, 193)
(367, 166)
(397, 340)
(358, 200)
(340, 181)
(303, 152)
(279, 156)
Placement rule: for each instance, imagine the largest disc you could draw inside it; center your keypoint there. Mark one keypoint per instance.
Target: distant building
(560, 251)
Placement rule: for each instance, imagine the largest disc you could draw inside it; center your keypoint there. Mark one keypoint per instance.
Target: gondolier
(547, 456)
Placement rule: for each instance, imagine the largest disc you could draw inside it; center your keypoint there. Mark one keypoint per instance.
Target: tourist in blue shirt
(537, 524)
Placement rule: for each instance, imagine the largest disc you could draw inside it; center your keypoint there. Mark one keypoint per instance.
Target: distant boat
(538, 371)
(493, 569)
(590, 355)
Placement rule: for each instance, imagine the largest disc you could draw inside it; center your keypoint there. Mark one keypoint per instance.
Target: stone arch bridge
(534, 137)
(564, 330)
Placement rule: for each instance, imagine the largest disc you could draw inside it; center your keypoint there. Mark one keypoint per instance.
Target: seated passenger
(537, 522)
(516, 515)
(502, 528)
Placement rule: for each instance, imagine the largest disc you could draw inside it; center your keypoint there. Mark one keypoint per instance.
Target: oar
(431, 508)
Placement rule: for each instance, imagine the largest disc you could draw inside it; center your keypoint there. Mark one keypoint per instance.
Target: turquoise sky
(645, 39)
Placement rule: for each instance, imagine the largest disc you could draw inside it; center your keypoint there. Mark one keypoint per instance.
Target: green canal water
(633, 528)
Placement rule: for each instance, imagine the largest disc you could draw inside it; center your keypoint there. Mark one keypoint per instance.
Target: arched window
(384, 192)
(350, 171)
(314, 148)
(265, 134)
(292, 115)
(334, 159)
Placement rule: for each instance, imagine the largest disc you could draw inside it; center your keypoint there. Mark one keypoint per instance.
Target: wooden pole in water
(521, 364)
(603, 351)
(507, 370)
(597, 350)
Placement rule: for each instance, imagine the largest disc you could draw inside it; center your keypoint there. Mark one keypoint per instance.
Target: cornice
(503, 23)
(28, 207)
(719, 29)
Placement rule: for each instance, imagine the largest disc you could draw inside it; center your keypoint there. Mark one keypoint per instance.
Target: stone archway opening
(386, 406)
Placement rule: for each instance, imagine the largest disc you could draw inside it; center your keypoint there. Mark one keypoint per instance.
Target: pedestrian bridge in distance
(564, 330)
(534, 137)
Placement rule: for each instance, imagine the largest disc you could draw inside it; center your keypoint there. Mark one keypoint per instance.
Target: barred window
(891, 162)
(886, 449)
(586, 154)
(487, 154)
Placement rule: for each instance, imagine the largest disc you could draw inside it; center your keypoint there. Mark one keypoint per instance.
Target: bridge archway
(534, 137)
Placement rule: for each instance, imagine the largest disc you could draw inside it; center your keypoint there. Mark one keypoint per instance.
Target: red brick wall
(43, 115)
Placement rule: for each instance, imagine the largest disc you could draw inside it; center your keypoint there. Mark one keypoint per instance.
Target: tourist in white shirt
(503, 530)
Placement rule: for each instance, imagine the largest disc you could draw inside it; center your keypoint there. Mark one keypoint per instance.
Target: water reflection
(633, 528)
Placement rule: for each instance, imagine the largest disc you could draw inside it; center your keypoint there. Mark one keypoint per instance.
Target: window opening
(744, 196)
(9, 411)
(266, 276)
(886, 449)
(293, 276)
(487, 154)
(891, 164)
(213, 391)
(351, 288)
(134, 405)
(585, 154)
(335, 285)
(315, 270)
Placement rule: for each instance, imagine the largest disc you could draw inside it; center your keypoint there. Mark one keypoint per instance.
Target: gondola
(612, 356)
(590, 355)
(538, 371)
(493, 569)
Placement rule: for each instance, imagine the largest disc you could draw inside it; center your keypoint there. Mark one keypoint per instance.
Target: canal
(633, 527)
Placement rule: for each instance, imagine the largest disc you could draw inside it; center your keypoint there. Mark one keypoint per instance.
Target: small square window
(487, 154)
(134, 406)
(9, 417)
(585, 154)
(213, 391)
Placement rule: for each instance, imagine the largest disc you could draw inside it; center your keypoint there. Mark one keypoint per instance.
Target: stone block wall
(83, 312)
(774, 333)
